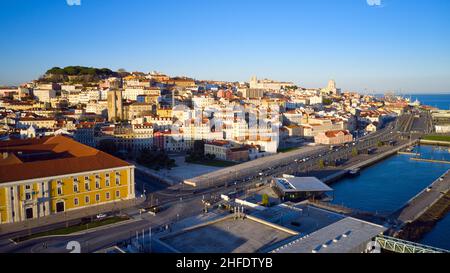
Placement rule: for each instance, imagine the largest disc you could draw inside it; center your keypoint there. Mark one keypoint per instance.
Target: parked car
(101, 216)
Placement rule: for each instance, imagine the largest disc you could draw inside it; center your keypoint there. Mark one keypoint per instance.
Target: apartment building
(333, 137)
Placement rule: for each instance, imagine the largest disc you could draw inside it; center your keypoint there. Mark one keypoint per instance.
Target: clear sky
(400, 45)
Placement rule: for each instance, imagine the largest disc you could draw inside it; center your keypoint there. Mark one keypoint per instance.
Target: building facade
(333, 137)
(115, 106)
(51, 175)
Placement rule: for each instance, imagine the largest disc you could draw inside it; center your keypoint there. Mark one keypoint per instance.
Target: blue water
(441, 101)
(386, 186)
(440, 235)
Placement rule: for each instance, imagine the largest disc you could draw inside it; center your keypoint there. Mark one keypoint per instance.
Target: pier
(430, 160)
(423, 201)
(408, 153)
(366, 163)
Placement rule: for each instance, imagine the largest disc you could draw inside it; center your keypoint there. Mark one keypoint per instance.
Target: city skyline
(395, 46)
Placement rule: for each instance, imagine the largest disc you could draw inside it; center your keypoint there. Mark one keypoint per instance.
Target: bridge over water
(401, 246)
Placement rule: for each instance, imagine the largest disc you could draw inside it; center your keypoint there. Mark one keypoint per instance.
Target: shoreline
(417, 229)
(426, 222)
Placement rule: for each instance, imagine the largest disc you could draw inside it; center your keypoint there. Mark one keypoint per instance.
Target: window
(86, 199)
(97, 197)
(97, 184)
(117, 194)
(60, 192)
(107, 182)
(27, 187)
(75, 187)
(118, 181)
(86, 186)
(75, 201)
(27, 196)
(86, 178)
(107, 195)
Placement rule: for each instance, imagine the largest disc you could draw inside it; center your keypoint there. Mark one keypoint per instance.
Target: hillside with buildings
(235, 121)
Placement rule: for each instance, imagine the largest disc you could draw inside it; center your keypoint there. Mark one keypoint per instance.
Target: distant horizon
(247, 81)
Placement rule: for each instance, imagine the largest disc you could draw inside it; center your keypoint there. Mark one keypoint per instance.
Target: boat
(354, 172)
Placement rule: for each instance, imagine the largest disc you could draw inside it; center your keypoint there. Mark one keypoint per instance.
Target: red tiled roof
(63, 156)
(335, 133)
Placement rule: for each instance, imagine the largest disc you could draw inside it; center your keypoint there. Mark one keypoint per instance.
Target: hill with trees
(78, 74)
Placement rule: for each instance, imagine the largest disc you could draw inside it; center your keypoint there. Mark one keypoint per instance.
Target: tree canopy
(80, 71)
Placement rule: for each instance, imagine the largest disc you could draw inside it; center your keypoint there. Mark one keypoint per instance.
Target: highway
(306, 156)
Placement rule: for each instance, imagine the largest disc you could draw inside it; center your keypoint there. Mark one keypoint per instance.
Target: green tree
(327, 101)
(265, 200)
(108, 146)
(155, 159)
(379, 143)
(354, 152)
(321, 164)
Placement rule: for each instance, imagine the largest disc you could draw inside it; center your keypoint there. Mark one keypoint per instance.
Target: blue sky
(401, 45)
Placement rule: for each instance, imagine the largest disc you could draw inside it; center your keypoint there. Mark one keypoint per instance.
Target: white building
(97, 107)
(268, 84)
(44, 95)
(331, 89)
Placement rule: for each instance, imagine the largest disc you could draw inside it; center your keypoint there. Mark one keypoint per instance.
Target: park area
(445, 138)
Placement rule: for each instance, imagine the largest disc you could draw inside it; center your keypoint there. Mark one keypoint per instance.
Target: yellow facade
(71, 192)
(3, 209)
(164, 112)
(69, 195)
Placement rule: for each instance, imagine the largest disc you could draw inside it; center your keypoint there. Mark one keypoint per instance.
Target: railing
(402, 246)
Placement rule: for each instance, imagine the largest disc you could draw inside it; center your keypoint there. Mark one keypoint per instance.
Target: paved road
(98, 239)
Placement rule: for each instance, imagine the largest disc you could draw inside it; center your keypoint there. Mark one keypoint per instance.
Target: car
(154, 210)
(101, 216)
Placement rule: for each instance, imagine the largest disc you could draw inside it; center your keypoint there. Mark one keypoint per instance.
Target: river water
(387, 185)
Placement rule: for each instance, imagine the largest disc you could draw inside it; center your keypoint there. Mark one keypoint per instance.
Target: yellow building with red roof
(45, 176)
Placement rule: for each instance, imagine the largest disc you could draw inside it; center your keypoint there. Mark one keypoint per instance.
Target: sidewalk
(69, 215)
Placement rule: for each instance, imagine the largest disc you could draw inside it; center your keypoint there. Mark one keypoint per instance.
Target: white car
(101, 216)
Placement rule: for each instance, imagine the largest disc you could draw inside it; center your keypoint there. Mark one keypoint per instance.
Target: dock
(366, 163)
(408, 153)
(424, 200)
(430, 160)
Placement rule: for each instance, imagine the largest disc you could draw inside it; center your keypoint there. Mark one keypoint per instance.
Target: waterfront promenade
(252, 167)
(420, 203)
(333, 177)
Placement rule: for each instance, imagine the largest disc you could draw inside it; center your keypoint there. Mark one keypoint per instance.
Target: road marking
(12, 241)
